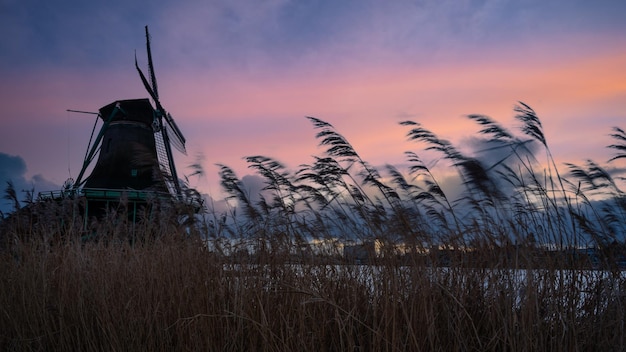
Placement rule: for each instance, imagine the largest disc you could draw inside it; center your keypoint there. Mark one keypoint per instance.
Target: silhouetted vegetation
(339, 255)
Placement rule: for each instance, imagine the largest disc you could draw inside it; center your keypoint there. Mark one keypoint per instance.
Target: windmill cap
(138, 110)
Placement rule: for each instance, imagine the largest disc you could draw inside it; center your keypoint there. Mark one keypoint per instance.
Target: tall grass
(527, 258)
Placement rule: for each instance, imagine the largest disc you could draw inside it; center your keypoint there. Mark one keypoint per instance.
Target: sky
(239, 77)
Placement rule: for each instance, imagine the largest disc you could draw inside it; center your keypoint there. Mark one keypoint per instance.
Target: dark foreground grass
(174, 295)
(527, 258)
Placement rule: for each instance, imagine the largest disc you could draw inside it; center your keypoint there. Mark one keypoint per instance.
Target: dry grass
(477, 275)
(174, 295)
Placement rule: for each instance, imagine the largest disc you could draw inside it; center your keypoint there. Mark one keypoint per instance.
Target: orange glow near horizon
(229, 114)
(367, 108)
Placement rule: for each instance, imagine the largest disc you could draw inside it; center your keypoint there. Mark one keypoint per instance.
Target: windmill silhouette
(134, 149)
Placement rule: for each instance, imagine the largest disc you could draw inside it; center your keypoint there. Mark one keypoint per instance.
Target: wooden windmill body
(134, 153)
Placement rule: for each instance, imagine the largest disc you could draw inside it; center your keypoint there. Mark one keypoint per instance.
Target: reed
(523, 260)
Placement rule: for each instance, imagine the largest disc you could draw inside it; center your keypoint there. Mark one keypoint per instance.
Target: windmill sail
(151, 68)
(165, 134)
(175, 136)
(165, 164)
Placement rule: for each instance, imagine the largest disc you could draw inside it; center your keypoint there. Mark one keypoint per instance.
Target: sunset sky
(239, 77)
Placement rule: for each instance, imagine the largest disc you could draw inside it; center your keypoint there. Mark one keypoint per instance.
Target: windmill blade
(151, 67)
(151, 88)
(166, 162)
(175, 141)
(176, 136)
(146, 84)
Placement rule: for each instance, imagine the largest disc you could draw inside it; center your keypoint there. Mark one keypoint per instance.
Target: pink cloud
(572, 98)
(228, 113)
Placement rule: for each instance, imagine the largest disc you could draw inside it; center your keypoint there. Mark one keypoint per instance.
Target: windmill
(169, 133)
(134, 148)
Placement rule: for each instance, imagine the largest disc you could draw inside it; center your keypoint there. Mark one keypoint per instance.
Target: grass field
(528, 258)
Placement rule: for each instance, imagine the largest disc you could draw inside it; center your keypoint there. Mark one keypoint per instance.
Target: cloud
(254, 185)
(70, 33)
(13, 169)
(239, 76)
(279, 33)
